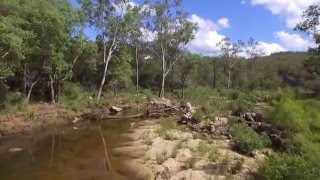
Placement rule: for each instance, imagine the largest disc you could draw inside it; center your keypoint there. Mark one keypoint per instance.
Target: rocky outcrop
(157, 108)
(258, 123)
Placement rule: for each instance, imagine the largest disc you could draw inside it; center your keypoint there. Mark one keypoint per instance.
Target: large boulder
(115, 110)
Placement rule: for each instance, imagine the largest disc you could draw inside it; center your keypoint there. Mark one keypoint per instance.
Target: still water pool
(72, 152)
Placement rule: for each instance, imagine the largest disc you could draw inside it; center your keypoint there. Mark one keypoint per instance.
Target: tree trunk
(57, 91)
(182, 92)
(214, 76)
(30, 91)
(137, 68)
(24, 80)
(229, 78)
(52, 89)
(172, 79)
(161, 93)
(105, 70)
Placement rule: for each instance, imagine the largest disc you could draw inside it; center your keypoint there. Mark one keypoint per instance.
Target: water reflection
(64, 153)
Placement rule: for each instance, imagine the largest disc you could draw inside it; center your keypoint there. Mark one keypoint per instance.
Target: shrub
(288, 166)
(191, 161)
(146, 138)
(213, 154)
(289, 115)
(161, 158)
(75, 97)
(246, 139)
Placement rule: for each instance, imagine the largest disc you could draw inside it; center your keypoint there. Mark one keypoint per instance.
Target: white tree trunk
(30, 91)
(161, 93)
(103, 80)
(137, 67)
(229, 78)
(52, 90)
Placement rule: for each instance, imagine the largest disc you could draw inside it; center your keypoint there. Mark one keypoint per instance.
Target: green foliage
(121, 71)
(296, 116)
(161, 158)
(245, 139)
(147, 138)
(191, 161)
(74, 97)
(288, 166)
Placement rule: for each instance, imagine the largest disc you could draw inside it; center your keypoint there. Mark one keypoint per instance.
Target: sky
(269, 22)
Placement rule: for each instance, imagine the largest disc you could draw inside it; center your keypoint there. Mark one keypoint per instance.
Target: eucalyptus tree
(310, 25)
(114, 20)
(230, 51)
(185, 67)
(168, 22)
(252, 53)
(15, 39)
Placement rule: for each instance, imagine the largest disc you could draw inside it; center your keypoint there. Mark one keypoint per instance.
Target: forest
(141, 52)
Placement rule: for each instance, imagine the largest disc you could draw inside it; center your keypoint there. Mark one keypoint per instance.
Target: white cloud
(291, 10)
(207, 36)
(294, 41)
(224, 22)
(269, 48)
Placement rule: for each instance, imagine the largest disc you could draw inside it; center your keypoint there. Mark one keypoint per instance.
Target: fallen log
(136, 116)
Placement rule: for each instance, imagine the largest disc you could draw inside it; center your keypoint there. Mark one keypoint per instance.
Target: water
(65, 153)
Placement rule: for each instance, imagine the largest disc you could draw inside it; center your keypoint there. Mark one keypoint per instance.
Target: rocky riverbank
(162, 150)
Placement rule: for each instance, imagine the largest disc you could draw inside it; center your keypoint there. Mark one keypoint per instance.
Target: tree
(115, 21)
(230, 52)
(253, 52)
(310, 23)
(185, 67)
(172, 32)
(120, 70)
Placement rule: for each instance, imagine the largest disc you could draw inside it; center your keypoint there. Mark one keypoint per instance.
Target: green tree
(172, 32)
(115, 21)
(310, 24)
(121, 70)
(230, 52)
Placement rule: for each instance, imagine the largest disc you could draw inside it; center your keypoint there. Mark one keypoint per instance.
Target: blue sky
(270, 22)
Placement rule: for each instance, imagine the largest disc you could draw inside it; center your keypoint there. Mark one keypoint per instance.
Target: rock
(184, 155)
(249, 117)
(201, 165)
(258, 117)
(278, 142)
(15, 150)
(220, 122)
(239, 112)
(163, 175)
(115, 110)
(172, 165)
(75, 128)
(75, 120)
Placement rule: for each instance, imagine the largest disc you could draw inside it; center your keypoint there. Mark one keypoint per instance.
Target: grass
(191, 161)
(213, 154)
(166, 125)
(161, 158)
(146, 138)
(75, 97)
(176, 148)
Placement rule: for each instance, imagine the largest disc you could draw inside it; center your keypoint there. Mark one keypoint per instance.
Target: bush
(75, 97)
(290, 115)
(246, 139)
(288, 166)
